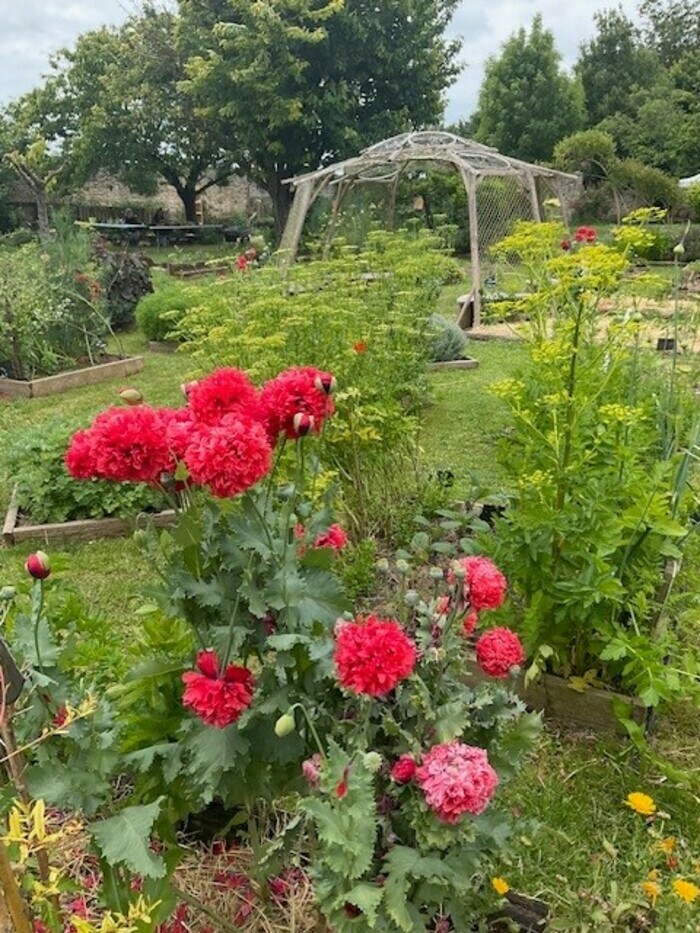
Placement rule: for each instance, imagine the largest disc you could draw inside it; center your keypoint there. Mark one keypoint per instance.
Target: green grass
(194, 253)
(463, 425)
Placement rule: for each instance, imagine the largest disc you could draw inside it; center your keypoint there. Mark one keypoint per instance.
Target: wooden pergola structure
(385, 162)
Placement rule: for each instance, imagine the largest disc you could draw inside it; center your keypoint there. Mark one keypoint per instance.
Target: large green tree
(673, 27)
(527, 103)
(116, 102)
(305, 82)
(614, 64)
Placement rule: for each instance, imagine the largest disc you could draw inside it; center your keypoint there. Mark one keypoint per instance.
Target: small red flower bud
(565, 245)
(360, 347)
(325, 383)
(60, 717)
(303, 424)
(186, 387)
(38, 565)
(130, 396)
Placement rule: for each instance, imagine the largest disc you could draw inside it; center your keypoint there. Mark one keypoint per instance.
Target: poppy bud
(325, 383)
(372, 762)
(411, 597)
(130, 396)
(382, 565)
(435, 573)
(38, 565)
(679, 249)
(186, 387)
(303, 423)
(402, 566)
(285, 725)
(7, 593)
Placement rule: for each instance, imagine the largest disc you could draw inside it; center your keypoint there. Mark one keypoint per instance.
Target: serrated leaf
(367, 897)
(125, 839)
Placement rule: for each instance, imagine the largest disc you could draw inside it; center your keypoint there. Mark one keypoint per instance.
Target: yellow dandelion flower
(652, 890)
(686, 890)
(667, 845)
(641, 803)
(500, 886)
(653, 875)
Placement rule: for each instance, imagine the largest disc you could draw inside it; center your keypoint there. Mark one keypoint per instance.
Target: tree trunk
(188, 198)
(281, 200)
(42, 213)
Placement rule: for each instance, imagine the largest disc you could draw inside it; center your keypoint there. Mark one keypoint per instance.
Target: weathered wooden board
(74, 379)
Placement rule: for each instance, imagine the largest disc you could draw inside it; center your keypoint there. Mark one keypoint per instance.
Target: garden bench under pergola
(523, 189)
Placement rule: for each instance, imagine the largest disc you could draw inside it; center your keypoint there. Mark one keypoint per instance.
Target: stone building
(105, 198)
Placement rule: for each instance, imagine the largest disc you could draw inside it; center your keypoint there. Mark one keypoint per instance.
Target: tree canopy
(305, 82)
(527, 103)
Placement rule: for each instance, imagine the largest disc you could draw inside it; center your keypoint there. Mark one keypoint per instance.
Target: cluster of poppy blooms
(224, 435)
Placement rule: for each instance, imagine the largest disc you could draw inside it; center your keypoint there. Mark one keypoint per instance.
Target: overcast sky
(30, 30)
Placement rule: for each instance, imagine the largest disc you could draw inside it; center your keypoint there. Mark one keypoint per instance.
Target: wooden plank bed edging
(90, 529)
(73, 379)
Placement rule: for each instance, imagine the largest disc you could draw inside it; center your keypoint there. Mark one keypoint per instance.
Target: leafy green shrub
(651, 185)
(125, 276)
(47, 493)
(447, 342)
(159, 313)
(364, 315)
(51, 306)
(18, 237)
(598, 459)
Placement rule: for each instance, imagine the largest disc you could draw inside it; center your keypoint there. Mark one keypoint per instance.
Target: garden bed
(593, 709)
(466, 363)
(15, 532)
(73, 379)
(163, 346)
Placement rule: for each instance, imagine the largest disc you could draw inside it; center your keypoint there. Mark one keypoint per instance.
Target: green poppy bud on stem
(130, 396)
(382, 565)
(411, 597)
(402, 566)
(285, 725)
(372, 762)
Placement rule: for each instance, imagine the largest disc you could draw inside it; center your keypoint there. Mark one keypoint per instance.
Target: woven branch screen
(499, 191)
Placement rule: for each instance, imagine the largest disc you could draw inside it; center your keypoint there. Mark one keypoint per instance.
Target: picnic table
(167, 234)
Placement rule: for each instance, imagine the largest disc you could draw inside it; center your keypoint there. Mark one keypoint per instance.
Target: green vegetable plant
(599, 457)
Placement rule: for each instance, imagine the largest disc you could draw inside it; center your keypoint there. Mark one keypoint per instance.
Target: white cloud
(32, 30)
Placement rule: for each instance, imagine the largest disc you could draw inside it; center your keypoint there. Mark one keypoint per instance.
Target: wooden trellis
(384, 163)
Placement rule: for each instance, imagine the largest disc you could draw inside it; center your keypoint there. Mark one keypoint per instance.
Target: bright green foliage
(361, 315)
(589, 151)
(526, 102)
(35, 461)
(124, 838)
(159, 313)
(613, 64)
(637, 239)
(599, 470)
(303, 81)
(50, 306)
(116, 102)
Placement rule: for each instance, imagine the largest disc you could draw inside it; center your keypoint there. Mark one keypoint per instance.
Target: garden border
(554, 696)
(73, 379)
(89, 529)
(466, 363)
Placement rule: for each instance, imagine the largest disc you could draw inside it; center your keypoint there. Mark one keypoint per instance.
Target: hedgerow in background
(364, 314)
(599, 459)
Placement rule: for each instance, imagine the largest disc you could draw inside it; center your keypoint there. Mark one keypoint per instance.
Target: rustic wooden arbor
(384, 164)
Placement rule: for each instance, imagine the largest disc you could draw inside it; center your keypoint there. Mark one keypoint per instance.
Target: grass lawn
(586, 852)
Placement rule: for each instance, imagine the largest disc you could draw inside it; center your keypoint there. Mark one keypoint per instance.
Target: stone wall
(105, 198)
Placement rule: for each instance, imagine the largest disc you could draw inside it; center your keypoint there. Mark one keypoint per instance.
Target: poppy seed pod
(38, 565)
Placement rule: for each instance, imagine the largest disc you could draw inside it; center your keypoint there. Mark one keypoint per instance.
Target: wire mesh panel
(500, 203)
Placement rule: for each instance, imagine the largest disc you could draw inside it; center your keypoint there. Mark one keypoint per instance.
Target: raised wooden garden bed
(466, 363)
(90, 529)
(73, 379)
(594, 709)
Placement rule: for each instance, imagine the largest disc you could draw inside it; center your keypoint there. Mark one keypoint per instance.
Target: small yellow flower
(652, 890)
(641, 803)
(667, 845)
(500, 886)
(686, 890)
(653, 875)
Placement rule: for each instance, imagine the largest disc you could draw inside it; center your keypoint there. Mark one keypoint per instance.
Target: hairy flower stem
(37, 606)
(309, 724)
